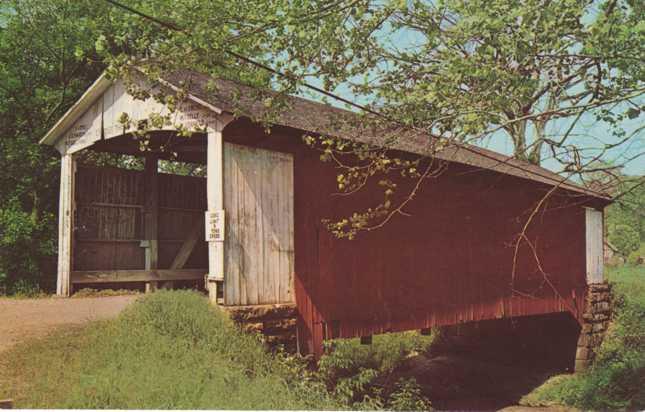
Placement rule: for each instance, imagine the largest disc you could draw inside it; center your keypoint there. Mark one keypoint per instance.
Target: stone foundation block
(581, 364)
(595, 321)
(582, 353)
(277, 323)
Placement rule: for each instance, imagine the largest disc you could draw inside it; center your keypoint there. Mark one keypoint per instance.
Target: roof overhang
(305, 115)
(94, 92)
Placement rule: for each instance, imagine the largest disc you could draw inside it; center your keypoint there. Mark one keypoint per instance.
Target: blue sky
(589, 134)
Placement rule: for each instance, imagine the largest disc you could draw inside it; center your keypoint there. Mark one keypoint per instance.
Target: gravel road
(21, 319)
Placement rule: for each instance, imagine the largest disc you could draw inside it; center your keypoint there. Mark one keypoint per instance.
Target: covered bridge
(253, 225)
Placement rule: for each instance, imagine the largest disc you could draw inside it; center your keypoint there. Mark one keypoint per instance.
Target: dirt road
(28, 318)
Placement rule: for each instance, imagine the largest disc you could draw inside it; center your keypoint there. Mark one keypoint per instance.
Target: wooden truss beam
(189, 244)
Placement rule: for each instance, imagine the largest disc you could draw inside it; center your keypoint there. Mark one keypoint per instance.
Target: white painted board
(215, 226)
(594, 245)
(102, 118)
(259, 247)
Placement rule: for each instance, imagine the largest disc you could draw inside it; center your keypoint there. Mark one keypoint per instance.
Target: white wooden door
(594, 242)
(259, 247)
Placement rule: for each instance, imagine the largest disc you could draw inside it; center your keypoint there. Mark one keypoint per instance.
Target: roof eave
(87, 99)
(82, 104)
(103, 83)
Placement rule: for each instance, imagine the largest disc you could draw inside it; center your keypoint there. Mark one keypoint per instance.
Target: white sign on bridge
(215, 226)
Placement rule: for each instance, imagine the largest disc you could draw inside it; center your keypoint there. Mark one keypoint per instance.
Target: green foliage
(181, 168)
(625, 238)
(408, 397)
(355, 373)
(97, 293)
(459, 69)
(39, 78)
(617, 378)
(625, 219)
(636, 256)
(528, 71)
(169, 350)
(25, 245)
(24, 289)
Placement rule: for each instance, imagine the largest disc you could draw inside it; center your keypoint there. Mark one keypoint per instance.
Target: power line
(175, 27)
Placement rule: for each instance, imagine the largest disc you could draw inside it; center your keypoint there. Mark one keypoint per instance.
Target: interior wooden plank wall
(109, 219)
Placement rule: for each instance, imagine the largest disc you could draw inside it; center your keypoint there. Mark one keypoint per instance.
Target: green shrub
(407, 397)
(625, 238)
(354, 373)
(26, 289)
(635, 257)
(26, 250)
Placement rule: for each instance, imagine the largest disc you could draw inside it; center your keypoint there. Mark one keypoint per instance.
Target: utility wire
(175, 27)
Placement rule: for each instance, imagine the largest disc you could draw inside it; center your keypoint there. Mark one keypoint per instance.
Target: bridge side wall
(450, 259)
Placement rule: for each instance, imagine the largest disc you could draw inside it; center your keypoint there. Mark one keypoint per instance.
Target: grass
(169, 350)
(617, 379)
(27, 294)
(172, 350)
(36, 293)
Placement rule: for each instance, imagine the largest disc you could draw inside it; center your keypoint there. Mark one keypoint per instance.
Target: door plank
(259, 205)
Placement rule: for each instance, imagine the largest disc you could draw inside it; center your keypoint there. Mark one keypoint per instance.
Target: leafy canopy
(456, 69)
(533, 72)
(40, 77)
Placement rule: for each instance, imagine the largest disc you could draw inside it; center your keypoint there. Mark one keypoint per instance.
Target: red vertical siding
(449, 262)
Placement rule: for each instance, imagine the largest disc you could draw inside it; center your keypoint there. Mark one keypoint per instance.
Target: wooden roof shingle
(315, 117)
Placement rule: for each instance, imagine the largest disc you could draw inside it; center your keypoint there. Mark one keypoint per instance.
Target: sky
(589, 133)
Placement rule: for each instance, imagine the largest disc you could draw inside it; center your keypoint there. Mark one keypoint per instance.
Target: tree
(455, 70)
(625, 238)
(47, 59)
(627, 212)
(625, 217)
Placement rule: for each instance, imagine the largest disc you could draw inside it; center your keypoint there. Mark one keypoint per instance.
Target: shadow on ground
(491, 365)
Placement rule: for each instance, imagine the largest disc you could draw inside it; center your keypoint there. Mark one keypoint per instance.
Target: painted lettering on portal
(215, 226)
(194, 116)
